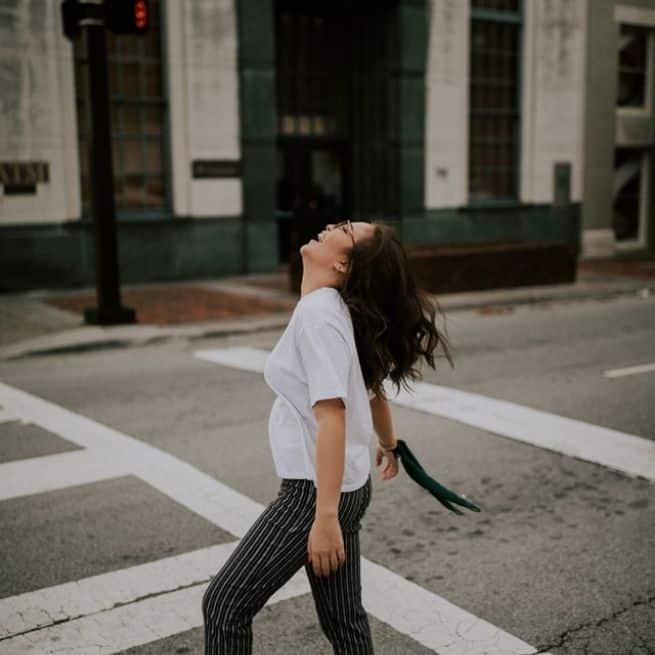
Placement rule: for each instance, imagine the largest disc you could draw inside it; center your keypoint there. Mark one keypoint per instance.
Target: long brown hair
(393, 319)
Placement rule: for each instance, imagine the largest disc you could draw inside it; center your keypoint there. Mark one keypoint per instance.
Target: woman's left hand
(325, 546)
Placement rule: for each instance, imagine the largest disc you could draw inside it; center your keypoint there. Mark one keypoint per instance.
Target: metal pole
(109, 310)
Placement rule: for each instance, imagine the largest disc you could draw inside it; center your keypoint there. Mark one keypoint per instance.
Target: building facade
(241, 126)
(619, 178)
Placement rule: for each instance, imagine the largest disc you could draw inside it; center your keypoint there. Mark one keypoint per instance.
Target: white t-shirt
(316, 358)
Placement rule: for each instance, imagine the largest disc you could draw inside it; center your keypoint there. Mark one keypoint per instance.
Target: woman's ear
(341, 267)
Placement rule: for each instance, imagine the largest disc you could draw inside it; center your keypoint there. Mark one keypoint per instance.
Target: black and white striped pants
(269, 554)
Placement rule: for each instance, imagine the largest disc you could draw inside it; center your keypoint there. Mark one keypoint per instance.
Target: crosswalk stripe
(37, 475)
(166, 614)
(98, 593)
(6, 416)
(430, 619)
(629, 370)
(128, 626)
(620, 451)
(617, 450)
(243, 358)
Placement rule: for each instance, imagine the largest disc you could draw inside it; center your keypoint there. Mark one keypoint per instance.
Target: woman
(360, 319)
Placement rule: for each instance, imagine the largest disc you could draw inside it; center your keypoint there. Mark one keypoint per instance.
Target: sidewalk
(47, 322)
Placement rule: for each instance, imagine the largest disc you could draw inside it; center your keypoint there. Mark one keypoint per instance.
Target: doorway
(335, 156)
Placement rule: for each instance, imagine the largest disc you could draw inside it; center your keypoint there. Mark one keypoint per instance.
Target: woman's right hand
(391, 467)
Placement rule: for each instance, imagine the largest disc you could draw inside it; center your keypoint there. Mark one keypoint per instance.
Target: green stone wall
(63, 256)
(531, 222)
(411, 60)
(258, 119)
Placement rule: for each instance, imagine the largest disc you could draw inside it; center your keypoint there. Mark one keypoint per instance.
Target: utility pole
(122, 16)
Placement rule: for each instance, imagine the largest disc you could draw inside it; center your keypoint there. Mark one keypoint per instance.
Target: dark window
(334, 96)
(500, 5)
(628, 184)
(633, 41)
(494, 99)
(313, 85)
(138, 114)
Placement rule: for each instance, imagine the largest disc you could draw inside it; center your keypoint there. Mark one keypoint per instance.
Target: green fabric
(420, 476)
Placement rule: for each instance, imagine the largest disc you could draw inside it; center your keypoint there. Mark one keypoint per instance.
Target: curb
(85, 339)
(92, 338)
(536, 295)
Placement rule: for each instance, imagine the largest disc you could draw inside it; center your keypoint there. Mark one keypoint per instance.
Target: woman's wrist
(326, 515)
(385, 447)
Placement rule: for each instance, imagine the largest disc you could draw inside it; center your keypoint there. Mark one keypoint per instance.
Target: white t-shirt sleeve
(326, 360)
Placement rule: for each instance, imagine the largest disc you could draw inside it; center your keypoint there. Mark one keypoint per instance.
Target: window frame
(502, 16)
(649, 75)
(626, 245)
(133, 213)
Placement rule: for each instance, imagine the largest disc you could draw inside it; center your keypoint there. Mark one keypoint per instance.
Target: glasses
(347, 228)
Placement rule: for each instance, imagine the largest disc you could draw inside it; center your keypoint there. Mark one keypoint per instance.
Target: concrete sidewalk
(30, 325)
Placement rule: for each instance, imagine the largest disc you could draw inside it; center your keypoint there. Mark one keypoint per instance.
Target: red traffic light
(127, 16)
(141, 14)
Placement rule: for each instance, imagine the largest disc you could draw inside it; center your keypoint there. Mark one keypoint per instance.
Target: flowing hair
(393, 319)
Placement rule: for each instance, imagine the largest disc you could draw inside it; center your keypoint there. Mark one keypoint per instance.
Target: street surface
(127, 475)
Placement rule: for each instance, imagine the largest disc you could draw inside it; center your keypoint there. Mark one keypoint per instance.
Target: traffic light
(127, 16)
(70, 19)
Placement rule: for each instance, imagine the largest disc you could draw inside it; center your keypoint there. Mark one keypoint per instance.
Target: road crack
(570, 633)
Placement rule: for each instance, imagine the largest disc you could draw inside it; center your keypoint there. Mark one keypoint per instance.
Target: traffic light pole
(109, 310)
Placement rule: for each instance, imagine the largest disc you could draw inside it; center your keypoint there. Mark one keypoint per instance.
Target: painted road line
(430, 619)
(623, 452)
(72, 600)
(6, 416)
(199, 492)
(37, 475)
(424, 616)
(240, 357)
(230, 511)
(129, 626)
(629, 370)
(617, 450)
(82, 431)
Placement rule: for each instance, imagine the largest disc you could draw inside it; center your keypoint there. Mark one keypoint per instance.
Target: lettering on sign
(24, 173)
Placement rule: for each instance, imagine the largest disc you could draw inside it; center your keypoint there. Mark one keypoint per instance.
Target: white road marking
(6, 416)
(139, 622)
(135, 624)
(431, 620)
(244, 358)
(174, 477)
(98, 593)
(51, 472)
(623, 452)
(629, 370)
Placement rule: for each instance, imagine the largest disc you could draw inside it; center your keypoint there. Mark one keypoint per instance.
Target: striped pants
(269, 554)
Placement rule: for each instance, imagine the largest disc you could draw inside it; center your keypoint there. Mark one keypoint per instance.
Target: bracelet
(385, 449)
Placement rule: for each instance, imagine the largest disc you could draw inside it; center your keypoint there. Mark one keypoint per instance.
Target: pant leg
(337, 597)
(268, 555)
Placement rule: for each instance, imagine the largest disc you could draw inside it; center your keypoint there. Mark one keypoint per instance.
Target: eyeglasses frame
(349, 230)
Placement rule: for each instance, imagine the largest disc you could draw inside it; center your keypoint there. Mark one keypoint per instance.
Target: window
(633, 66)
(138, 113)
(494, 87)
(312, 89)
(630, 195)
(500, 5)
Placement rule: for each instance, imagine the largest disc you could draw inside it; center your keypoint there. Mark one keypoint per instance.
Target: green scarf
(420, 476)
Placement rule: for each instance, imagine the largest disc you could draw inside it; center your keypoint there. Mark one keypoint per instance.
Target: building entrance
(334, 108)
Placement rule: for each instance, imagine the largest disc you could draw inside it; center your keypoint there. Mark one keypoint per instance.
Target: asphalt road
(561, 556)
